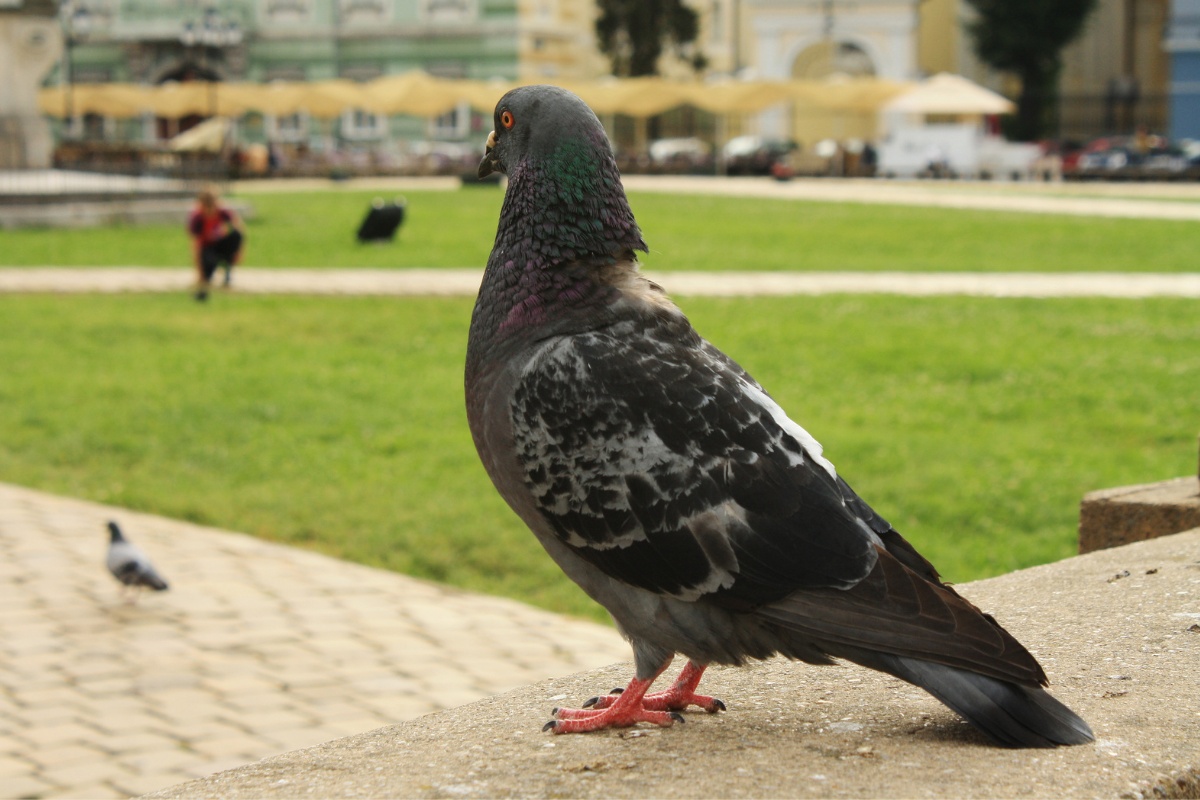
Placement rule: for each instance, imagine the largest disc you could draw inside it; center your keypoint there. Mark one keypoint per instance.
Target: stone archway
(831, 59)
(828, 57)
(182, 72)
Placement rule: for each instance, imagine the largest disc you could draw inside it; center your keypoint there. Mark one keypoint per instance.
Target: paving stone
(172, 759)
(34, 715)
(11, 766)
(138, 741)
(27, 786)
(243, 684)
(94, 791)
(84, 773)
(247, 704)
(213, 729)
(243, 746)
(52, 736)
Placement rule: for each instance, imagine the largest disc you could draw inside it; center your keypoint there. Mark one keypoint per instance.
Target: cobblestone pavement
(256, 649)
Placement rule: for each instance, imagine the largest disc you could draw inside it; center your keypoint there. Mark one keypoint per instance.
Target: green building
(156, 41)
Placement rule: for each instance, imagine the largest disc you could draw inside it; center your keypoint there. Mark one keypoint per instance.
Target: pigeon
(129, 565)
(671, 487)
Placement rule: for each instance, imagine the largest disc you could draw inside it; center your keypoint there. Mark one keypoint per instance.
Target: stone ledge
(1117, 630)
(1115, 517)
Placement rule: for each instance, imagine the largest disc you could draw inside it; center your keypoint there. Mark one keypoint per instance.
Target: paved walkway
(255, 650)
(431, 282)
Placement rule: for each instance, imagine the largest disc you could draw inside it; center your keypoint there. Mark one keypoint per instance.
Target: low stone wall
(1113, 517)
(1118, 632)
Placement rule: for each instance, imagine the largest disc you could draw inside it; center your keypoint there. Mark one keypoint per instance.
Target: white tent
(917, 145)
(949, 95)
(209, 136)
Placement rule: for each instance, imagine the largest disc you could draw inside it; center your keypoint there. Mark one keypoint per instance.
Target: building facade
(1116, 77)
(1183, 45)
(156, 41)
(151, 41)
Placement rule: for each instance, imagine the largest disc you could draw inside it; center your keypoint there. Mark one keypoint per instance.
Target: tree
(632, 34)
(1026, 38)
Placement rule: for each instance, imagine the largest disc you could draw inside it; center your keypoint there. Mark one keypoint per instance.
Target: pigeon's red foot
(631, 705)
(626, 710)
(669, 700)
(679, 697)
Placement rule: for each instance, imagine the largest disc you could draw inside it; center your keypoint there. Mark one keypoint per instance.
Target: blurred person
(217, 238)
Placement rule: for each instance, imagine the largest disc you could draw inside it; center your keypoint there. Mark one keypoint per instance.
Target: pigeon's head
(114, 532)
(538, 122)
(564, 199)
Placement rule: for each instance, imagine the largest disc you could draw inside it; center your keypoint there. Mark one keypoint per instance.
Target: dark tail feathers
(152, 580)
(1013, 715)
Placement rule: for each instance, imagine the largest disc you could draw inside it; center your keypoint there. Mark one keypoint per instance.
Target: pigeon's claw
(603, 701)
(669, 700)
(679, 697)
(618, 715)
(625, 710)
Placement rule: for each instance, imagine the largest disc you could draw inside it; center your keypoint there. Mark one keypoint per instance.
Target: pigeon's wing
(658, 460)
(121, 561)
(131, 567)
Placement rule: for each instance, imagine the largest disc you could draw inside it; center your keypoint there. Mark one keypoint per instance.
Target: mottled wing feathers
(657, 460)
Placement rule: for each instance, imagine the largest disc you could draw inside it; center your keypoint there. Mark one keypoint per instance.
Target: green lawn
(975, 425)
(455, 229)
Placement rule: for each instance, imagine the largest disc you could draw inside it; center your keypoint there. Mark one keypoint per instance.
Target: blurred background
(896, 88)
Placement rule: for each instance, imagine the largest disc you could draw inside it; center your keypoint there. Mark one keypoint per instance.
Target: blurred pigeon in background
(130, 565)
(671, 487)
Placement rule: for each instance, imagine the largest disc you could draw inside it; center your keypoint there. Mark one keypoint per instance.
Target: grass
(974, 425)
(455, 229)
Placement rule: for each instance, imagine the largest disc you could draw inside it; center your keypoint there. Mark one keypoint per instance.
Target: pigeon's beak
(491, 162)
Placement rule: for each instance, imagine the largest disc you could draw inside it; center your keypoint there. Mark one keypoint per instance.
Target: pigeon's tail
(1012, 714)
(151, 579)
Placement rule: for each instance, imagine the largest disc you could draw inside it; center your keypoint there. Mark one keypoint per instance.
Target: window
(448, 10)
(288, 11)
(454, 124)
(289, 128)
(363, 12)
(359, 124)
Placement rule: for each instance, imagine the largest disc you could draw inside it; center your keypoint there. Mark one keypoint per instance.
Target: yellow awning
(423, 95)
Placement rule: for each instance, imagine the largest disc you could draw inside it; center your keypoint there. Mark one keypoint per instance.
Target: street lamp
(214, 32)
(76, 20)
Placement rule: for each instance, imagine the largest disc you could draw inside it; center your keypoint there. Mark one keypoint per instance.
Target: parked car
(1127, 158)
(756, 155)
(682, 155)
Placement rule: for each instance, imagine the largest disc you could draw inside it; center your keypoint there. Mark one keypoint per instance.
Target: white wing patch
(789, 426)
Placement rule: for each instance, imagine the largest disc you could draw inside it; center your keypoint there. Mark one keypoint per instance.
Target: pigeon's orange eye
(506, 119)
